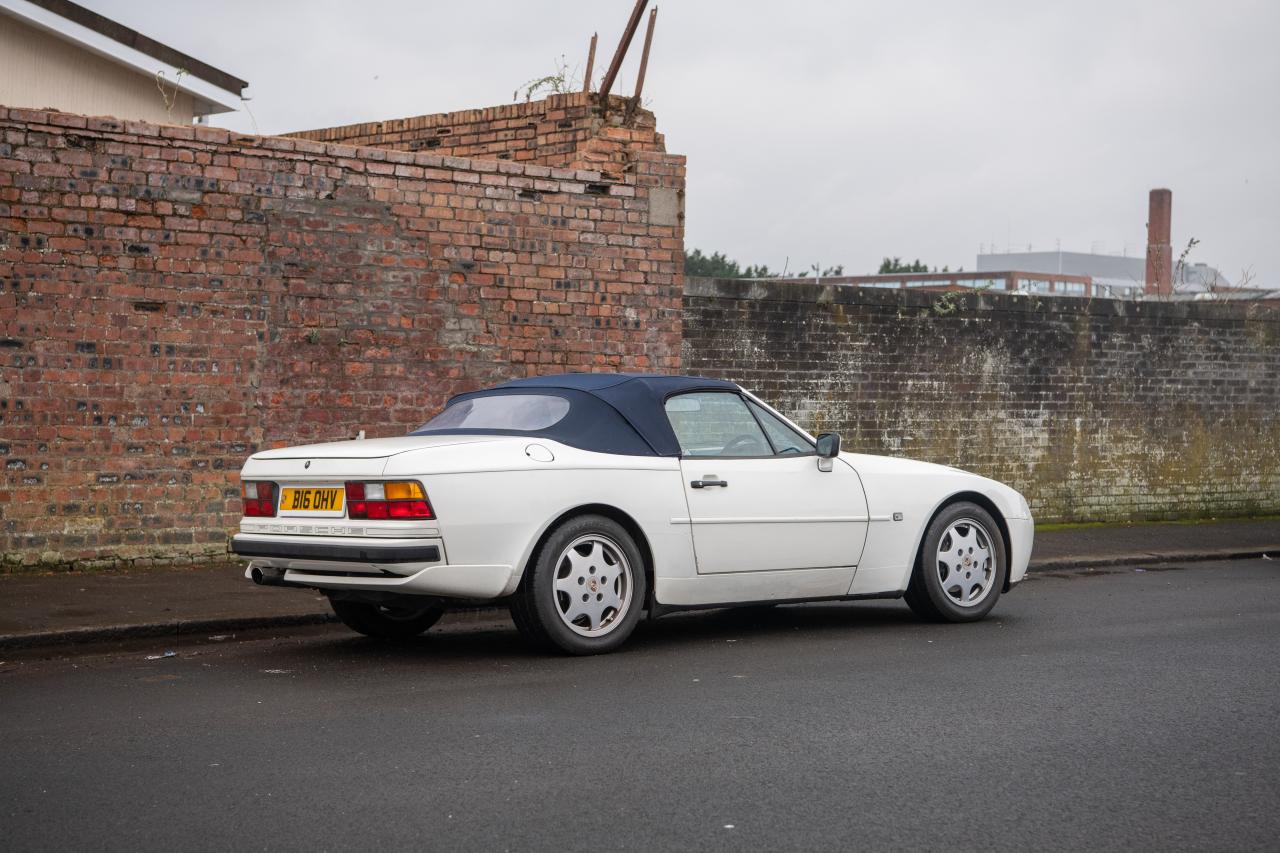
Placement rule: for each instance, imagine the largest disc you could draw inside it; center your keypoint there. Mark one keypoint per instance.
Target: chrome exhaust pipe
(266, 576)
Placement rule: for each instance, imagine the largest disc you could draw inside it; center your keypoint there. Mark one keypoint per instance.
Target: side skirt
(657, 610)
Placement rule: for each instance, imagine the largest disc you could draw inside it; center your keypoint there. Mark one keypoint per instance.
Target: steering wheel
(746, 440)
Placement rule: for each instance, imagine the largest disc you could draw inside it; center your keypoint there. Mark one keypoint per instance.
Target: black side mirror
(828, 447)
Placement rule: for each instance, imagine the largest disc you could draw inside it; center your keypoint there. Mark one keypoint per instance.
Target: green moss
(1080, 525)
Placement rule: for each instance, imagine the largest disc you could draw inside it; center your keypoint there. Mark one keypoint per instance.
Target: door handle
(704, 484)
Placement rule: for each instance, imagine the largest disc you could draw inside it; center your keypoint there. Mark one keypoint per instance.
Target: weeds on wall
(1218, 288)
(946, 304)
(170, 97)
(562, 82)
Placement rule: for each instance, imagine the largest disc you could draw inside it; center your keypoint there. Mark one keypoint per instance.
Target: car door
(757, 500)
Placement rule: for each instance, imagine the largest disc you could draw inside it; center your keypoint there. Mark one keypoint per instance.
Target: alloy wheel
(966, 562)
(592, 585)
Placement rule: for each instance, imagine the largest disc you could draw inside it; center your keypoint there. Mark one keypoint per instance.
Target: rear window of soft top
(520, 412)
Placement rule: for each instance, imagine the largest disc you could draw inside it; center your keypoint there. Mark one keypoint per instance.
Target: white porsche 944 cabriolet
(584, 499)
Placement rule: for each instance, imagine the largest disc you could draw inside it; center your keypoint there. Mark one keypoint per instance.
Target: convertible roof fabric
(609, 412)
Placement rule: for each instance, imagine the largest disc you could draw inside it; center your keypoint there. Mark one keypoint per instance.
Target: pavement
(1127, 709)
(1128, 544)
(61, 608)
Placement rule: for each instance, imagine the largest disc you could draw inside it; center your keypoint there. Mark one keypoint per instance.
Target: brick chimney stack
(1159, 245)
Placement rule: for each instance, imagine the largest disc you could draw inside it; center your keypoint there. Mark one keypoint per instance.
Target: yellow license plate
(311, 500)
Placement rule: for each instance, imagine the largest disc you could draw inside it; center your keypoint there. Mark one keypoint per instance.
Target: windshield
(524, 412)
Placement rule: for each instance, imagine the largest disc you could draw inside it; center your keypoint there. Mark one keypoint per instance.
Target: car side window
(786, 441)
(715, 423)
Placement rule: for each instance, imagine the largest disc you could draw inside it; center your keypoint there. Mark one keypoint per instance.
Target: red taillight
(397, 500)
(410, 509)
(356, 505)
(259, 498)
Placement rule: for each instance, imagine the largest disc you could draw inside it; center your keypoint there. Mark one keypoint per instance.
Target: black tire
(388, 621)
(541, 612)
(927, 594)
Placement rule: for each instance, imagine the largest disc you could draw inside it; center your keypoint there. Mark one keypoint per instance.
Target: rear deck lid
(370, 448)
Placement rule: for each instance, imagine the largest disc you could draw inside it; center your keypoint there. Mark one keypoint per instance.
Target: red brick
(267, 291)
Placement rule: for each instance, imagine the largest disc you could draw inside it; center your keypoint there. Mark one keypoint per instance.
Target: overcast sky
(837, 132)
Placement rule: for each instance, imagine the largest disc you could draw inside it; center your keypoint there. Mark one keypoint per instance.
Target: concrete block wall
(174, 298)
(1096, 409)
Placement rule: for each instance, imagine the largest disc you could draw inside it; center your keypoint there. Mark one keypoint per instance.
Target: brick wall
(562, 130)
(1095, 409)
(173, 298)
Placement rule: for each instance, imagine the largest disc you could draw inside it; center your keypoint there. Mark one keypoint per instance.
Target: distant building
(56, 54)
(1156, 275)
(1007, 280)
(1058, 273)
(1122, 277)
(1114, 276)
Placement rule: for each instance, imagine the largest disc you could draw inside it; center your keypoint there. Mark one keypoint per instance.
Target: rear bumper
(412, 566)
(256, 546)
(445, 581)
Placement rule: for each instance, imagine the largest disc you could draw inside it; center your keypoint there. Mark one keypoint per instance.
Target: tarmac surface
(1132, 708)
(40, 609)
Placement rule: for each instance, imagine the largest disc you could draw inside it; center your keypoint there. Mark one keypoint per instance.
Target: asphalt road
(1119, 710)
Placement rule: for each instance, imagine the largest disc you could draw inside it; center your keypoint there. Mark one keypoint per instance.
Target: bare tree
(1216, 287)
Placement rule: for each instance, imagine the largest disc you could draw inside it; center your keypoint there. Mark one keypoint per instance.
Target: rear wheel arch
(628, 524)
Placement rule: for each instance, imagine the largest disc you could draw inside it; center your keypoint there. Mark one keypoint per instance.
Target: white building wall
(38, 70)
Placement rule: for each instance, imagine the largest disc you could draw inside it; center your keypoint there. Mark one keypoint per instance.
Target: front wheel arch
(982, 501)
(628, 524)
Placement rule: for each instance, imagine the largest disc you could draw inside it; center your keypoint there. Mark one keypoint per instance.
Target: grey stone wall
(1095, 409)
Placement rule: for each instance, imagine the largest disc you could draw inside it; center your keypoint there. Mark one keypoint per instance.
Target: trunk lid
(368, 448)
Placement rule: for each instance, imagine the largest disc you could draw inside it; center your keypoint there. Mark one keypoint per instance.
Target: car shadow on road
(499, 639)
(761, 622)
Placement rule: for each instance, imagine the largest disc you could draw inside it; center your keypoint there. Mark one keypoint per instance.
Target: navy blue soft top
(608, 412)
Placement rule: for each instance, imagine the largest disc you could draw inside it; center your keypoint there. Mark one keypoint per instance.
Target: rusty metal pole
(629, 33)
(591, 64)
(644, 60)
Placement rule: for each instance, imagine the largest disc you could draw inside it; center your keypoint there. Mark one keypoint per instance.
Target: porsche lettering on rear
(587, 500)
